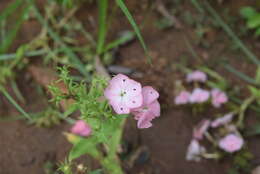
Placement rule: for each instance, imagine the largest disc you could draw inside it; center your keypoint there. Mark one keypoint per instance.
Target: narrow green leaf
(27, 54)
(130, 18)
(239, 74)
(123, 39)
(6, 43)
(102, 25)
(16, 105)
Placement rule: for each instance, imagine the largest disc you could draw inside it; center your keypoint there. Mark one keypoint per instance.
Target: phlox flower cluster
(231, 142)
(128, 96)
(199, 95)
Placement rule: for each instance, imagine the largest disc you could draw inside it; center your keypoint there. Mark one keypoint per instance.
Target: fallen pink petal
(222, 120)
(194, 152)
(124, 94)
(149, 110)
(231, 143)
(199, 95)
(196, 76)
(182, 98)
(200, 130)
(81, 128)
(218, 98)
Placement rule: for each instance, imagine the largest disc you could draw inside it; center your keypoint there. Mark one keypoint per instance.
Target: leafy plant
(106, 127)
(252, 19)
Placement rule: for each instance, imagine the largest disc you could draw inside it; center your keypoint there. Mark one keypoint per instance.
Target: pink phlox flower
(199, 95)
(231, 143)
(218, 98)
(149, 109)
(222, 120)
(196, 76)
(182, 98)
(123, 94)
(194, 152)
(81, 128)
(200, 130)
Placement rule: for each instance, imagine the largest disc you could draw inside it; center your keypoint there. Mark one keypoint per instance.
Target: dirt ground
(25, 149)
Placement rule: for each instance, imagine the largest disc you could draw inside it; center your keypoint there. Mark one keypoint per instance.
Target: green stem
(243, 108)
(16, 105)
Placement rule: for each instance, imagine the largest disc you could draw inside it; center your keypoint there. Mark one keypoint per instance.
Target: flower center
(123, 93)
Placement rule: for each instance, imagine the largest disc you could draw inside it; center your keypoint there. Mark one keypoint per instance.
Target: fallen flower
(182, 98)
(81, 128)
(196, 76)
(218, 98)
(231, 143)
(149, 109)
(194, 152)
(199, 95)
(123, 94)
(199, 131)
(222, 120)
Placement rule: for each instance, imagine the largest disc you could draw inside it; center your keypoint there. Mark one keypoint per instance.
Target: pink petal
(222, 120)
(231, 143)
(133, 88)
(149, 95)
(182, 98)
(200, 130)
(123, 94)
(145, 120)
(199, 96)
(133, 102)
(194, 152)
(155, 108)
(196, 76)
(81, 128)
(120, 80)
(218, 98)
(119, 107)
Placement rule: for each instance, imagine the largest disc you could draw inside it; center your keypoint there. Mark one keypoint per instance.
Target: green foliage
(102, 26)
(252, 19)
(11, 34)
(94, 109)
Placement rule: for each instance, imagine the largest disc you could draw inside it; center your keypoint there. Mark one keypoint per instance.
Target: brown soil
(25, 149)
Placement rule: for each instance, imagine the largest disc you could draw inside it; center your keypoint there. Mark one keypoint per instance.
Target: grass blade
(130, 18)
(10, 9)
(102, 25)
(123, 39)
(240, 74)
(16, 105)
(27, 54)
(6, 43)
